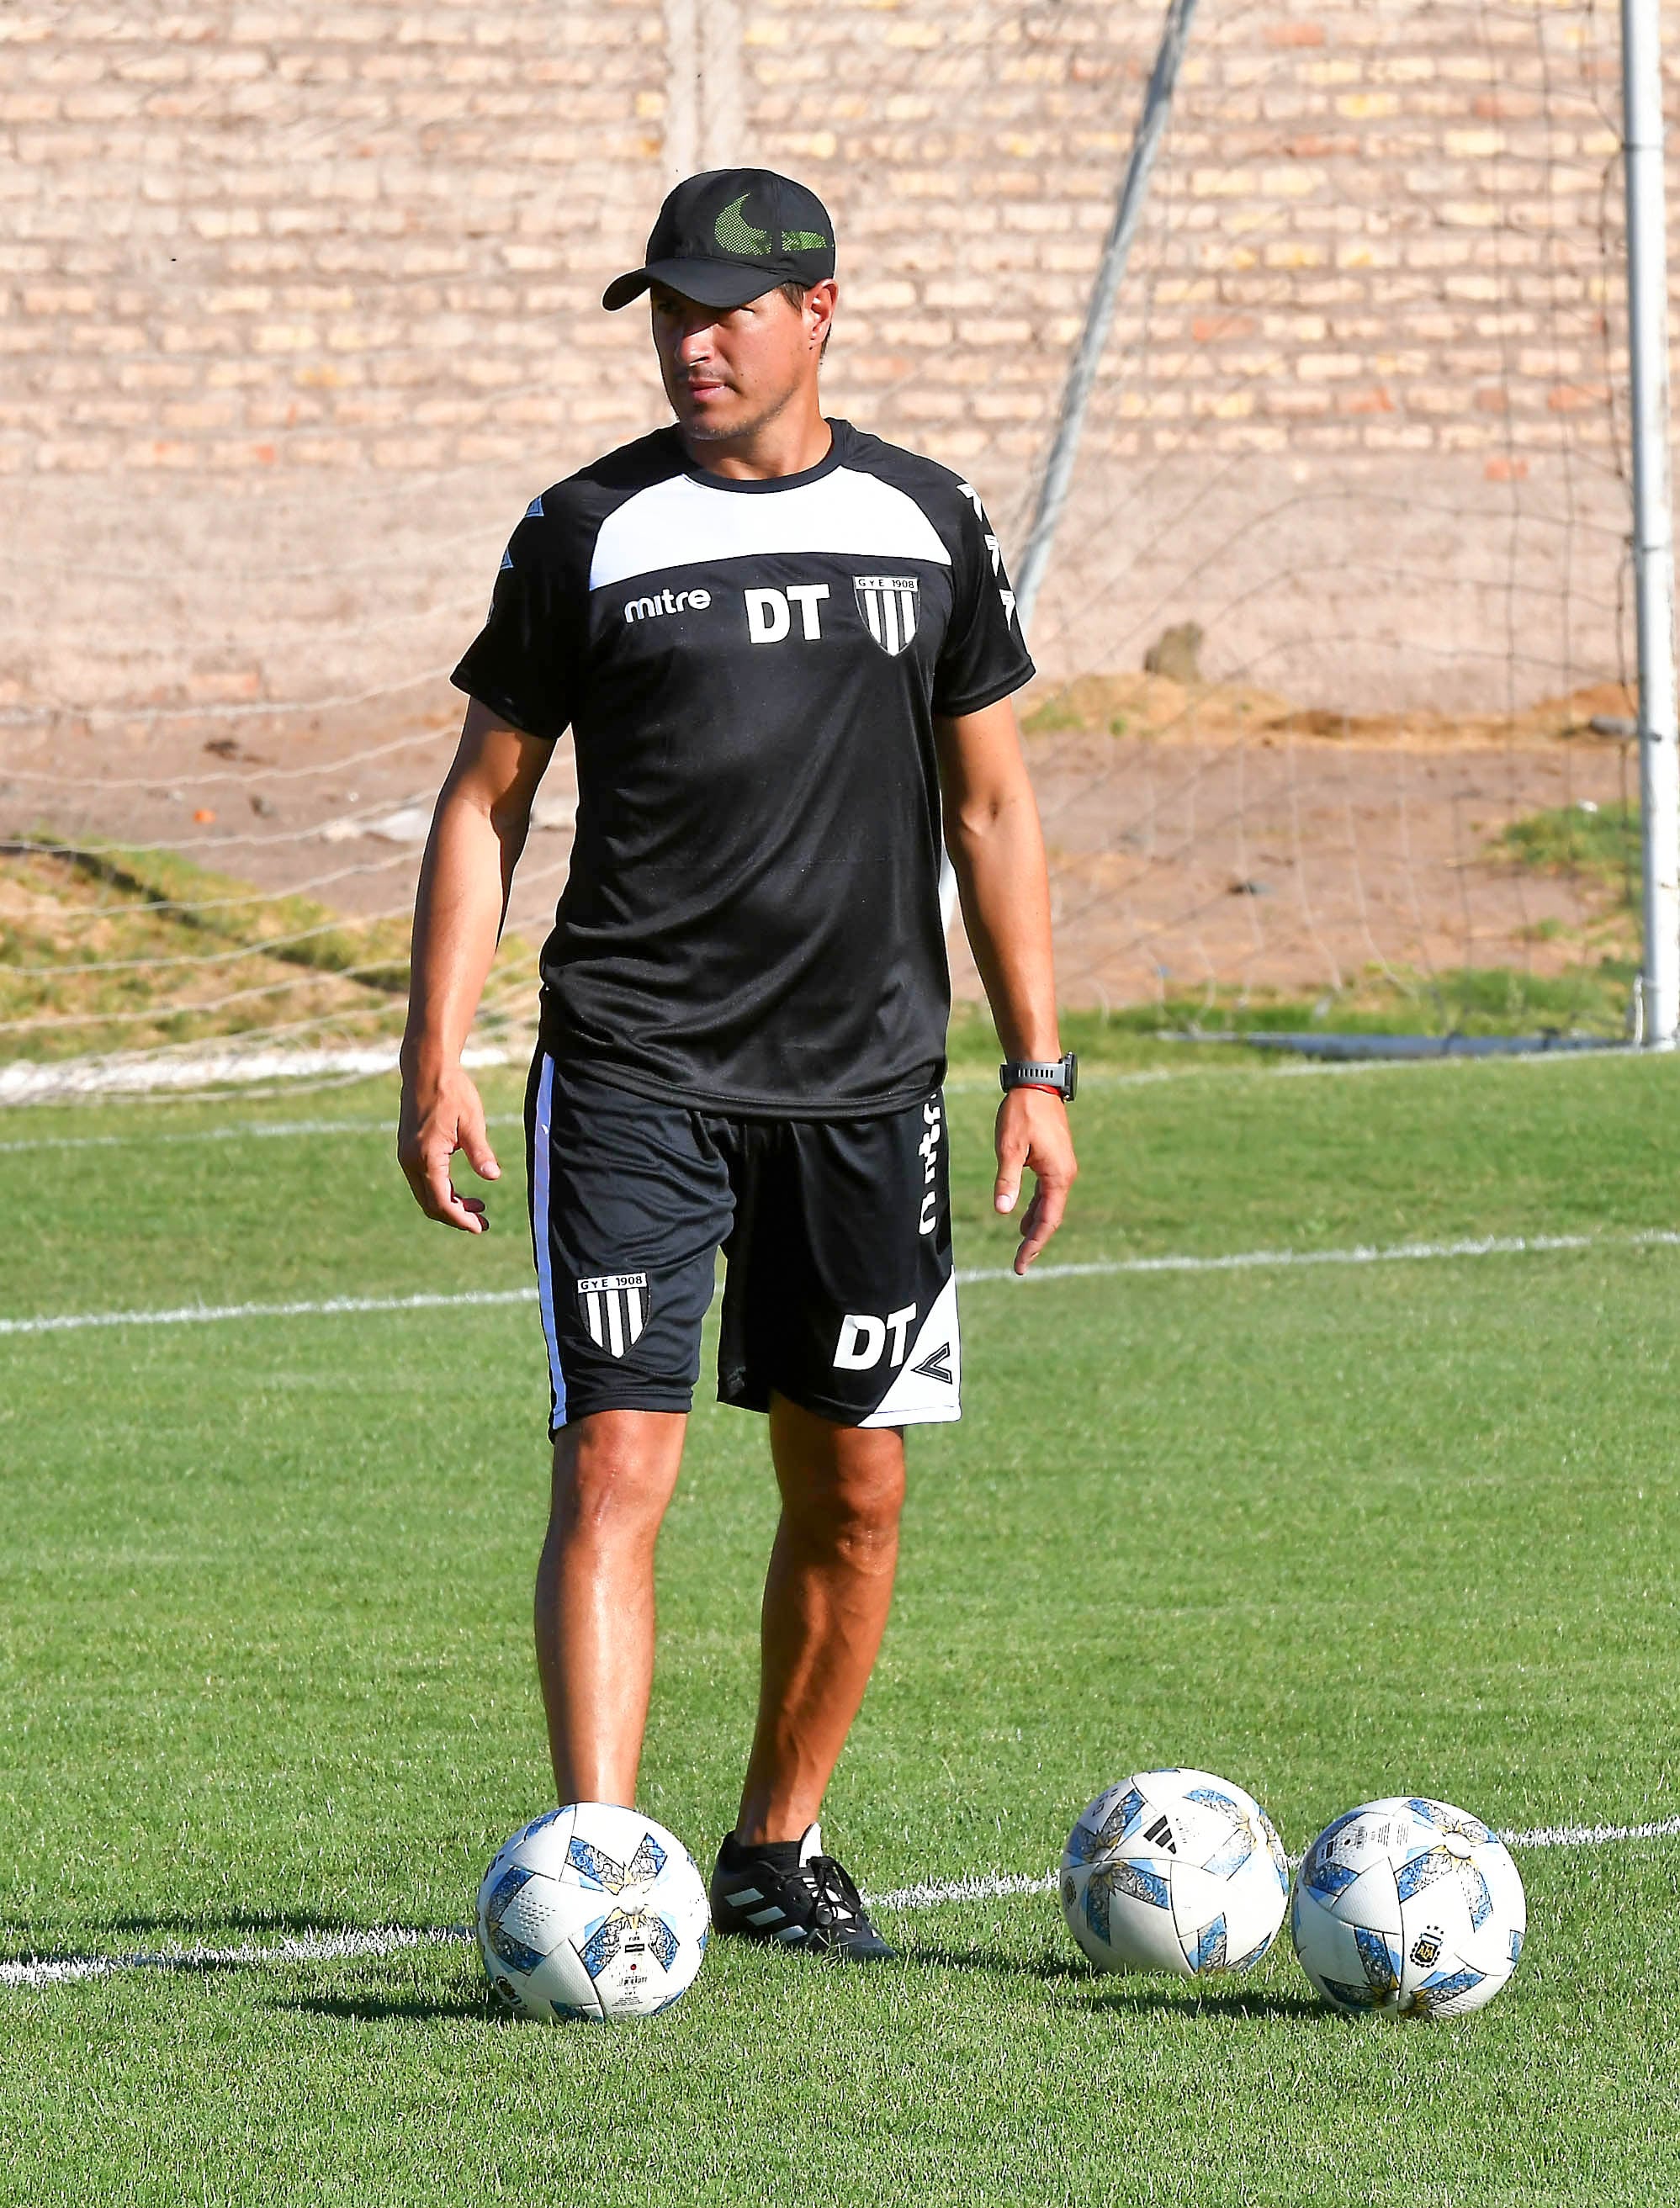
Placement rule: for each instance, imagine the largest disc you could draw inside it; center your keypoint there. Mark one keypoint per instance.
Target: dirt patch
(1202, 835)
(1221, 838)
(1155, 708)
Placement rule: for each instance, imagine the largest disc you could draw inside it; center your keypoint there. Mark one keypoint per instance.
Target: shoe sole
(881, 1954)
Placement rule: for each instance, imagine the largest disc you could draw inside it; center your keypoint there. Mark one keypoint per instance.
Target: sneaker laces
(832, 1892)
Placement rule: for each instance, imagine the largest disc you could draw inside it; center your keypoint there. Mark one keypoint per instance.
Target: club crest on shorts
(614, 1308)
(888, 604)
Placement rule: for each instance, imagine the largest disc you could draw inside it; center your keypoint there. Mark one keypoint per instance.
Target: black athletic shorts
(839, 1293)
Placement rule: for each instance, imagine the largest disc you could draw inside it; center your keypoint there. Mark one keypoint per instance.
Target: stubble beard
(718, 434)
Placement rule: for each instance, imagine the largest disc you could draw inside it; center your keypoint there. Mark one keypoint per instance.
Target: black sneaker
(791, 1892)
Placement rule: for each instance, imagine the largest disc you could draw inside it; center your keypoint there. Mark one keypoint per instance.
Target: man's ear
(819, 304)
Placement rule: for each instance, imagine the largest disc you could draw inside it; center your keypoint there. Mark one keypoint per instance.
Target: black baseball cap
(730, 235)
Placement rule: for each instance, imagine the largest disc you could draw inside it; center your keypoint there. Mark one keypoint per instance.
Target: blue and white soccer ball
(1409, 1906)
(1174, 1871)
(591, 1911)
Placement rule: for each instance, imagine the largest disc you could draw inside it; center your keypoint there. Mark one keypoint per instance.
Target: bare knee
(863, 1520)
(613, 1472)
(842, 1491)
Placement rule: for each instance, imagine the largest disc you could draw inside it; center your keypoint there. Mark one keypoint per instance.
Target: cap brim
(713, 282)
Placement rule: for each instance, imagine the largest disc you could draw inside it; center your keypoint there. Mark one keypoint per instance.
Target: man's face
(728, 370)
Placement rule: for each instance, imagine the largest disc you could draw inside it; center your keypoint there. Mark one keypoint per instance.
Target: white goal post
(1654, 517)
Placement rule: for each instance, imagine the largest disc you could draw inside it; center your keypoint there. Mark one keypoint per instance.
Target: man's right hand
(443, 1114)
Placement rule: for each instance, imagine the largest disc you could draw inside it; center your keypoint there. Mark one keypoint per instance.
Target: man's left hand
(1033, 1133)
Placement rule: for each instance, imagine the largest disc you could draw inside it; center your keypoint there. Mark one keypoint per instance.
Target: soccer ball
(1174, 1871)
(591, 1911)
(1410, 1906)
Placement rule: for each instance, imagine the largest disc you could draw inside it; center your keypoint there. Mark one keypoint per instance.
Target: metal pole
(1653, 518)
(1100, 312)
(1088, 357)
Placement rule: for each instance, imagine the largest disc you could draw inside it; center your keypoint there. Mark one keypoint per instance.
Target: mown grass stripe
(1486, 1246)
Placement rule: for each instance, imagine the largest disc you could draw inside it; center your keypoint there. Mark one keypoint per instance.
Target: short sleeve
(525, 662)
(983, 656)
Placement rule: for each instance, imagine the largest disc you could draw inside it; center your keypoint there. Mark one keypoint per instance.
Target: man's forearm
(458, 913)
(999, 857)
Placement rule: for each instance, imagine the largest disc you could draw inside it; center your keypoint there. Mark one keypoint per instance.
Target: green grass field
(1336, 1531)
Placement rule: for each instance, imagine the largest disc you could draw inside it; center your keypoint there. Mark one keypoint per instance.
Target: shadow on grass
(1158, 1999)
(470, 2004)
(1138, 1997)
(1043, 1967)
(217, 1924)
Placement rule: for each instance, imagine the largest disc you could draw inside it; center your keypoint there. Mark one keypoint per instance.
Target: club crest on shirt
(888, 604)
(615, 1307)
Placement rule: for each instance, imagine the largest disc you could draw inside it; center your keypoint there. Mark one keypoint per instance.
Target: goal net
(1337, 630)
(1333, 720)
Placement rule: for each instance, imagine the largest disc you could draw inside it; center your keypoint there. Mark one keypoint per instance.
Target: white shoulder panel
(678, 522)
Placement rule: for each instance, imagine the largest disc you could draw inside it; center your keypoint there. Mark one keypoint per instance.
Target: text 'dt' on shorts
(839, 1290)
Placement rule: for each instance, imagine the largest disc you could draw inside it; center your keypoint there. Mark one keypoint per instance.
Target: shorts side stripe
(541, 1147)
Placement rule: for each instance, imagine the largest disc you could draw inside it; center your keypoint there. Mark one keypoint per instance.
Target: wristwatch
(1061, 1074)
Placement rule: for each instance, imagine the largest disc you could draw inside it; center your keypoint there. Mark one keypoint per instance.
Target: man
(778, 643)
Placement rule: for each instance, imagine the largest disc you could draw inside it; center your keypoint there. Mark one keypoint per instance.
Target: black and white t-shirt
(751, 670)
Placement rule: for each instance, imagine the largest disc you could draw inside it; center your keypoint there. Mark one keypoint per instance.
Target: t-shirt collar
(839, 431)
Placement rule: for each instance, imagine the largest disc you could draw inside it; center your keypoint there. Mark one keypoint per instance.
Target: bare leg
(826, 1599)
(614, 1473)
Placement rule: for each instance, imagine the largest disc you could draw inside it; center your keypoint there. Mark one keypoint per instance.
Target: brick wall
(302, 302)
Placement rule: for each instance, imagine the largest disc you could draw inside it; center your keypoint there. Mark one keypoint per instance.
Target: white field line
(1488, 1246)
(386, 1124)
(210, 1314)
(307, 1947)
(258, 1131)
(25, 1082)
(331, 1946)
(73, 1081)
(1361, 1253)
(932, 1894)
(1591, 1836)
(29, 1081)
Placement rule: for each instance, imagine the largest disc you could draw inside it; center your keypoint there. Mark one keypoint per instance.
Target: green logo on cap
(736, 235)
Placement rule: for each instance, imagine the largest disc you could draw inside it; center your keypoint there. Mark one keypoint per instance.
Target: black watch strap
(1060, 1073)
